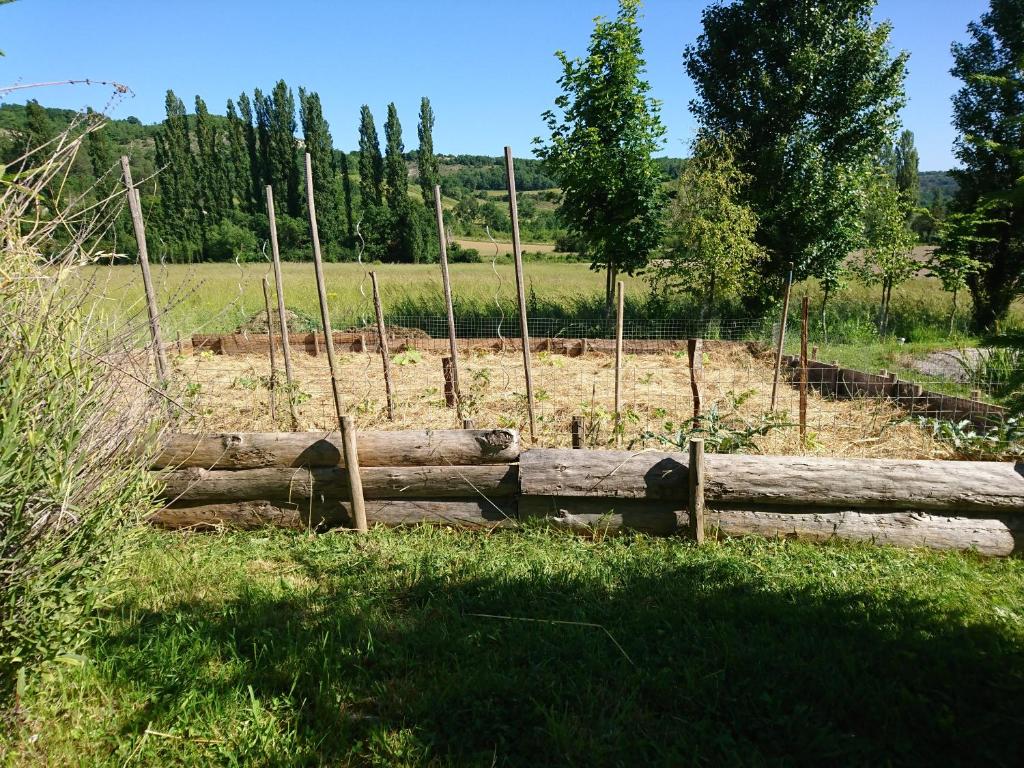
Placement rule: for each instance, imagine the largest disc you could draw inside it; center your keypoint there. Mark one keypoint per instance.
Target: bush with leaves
(73, 422)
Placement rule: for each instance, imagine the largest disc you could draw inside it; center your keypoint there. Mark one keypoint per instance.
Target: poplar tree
(284, 157)
(426, 161)
(320, 146)
(908, 181)
(371, 164)
(239, 181)
(396, 175)
(255, 191)
(207, 166)
(346, 189)
(179, 219)
(261, 111)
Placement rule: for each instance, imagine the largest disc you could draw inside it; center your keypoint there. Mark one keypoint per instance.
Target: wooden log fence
(481, 479)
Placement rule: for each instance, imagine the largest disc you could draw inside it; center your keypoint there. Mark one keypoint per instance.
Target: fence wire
(230, 387)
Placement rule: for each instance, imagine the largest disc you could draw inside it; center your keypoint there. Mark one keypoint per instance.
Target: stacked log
(297, 479)
(938, 504)
(480, 479)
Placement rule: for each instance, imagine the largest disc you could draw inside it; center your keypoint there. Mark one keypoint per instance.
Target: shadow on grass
(717, 665)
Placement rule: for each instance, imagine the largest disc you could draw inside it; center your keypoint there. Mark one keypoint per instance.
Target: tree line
(798, 158)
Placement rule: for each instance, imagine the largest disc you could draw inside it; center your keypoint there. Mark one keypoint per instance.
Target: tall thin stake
(695, 499)
(782, 337)
(384, 354)
(279, 289)
(348, 438)
(325, 315)
(803, 368)
(442, 240)
(619, 306)
(517, 258)
(270, 341)
(159, 354)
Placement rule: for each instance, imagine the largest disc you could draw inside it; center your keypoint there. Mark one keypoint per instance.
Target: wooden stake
(619, 306)
(782, 337)
(803, 368)
(282, 319)
(578, 434)
(450, 399)
(468, 424)
(517, 258)
(325, 315)
(159, 354)
(351, 454)
(695, 353)
(270, 341)
(442, 240)
(695, 499)
(384, 354)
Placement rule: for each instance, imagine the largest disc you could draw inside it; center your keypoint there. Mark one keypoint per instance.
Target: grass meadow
(437, 647)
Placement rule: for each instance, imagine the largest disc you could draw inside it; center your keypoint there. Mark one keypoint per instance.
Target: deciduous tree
(429, 173)
(601, 141)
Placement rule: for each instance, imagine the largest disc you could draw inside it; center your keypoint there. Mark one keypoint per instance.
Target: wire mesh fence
(732, 375)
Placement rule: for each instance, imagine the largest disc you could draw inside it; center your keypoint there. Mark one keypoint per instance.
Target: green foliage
(723, 431)
(906, 169)
(600, 149)
(988, 112)
(371, 163)
(326, 189)
(1000, 442)
(426, 161)
(227, 241)
(887, 257)
(814, 93)
(73, 477)
(709, 250)
(954, 261)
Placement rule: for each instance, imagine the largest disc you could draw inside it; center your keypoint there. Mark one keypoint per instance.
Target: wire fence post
(619, 307)
(270, 343)
(517, 258)
(695, 498)
(355, 480)
(695, 355)
(782, 337)
(803, 369)
(578, 435)
(442, 240)
(384, 353)
(159, 353)
(281, 313)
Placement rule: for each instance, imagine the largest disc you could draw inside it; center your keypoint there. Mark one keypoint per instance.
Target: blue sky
(488, 67)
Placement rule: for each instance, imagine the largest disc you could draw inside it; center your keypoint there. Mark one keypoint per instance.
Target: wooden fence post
(448, 369)
(578, 434)
(803, 368)
(270, 342)
(442, 240)
(695, 499)
(384, 353)
(517, 259)
(695, 355)
(468, 424)
(619, 306)
(163, 369)
(348, 438)
(355, 480)
(782, 337)
(281, 316)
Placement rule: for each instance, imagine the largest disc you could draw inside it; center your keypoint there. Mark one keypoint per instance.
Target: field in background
(439, 647)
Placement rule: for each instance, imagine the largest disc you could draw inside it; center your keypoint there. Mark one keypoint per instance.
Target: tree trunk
(952, 313)
(824, 324)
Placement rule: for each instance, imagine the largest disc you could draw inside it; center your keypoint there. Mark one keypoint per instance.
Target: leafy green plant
(722, 432)
(1001, 441)
(409, 357)
(995, 370)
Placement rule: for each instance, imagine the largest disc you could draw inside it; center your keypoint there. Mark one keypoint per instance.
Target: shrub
(73, 418)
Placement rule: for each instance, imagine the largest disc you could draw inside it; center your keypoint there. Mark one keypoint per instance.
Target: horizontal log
(592, 515)
(250, 450)
(197, 484)
(795, 481)
(999, 535)
(247, 515)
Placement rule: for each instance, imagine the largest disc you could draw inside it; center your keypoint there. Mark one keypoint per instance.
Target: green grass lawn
(444, 648)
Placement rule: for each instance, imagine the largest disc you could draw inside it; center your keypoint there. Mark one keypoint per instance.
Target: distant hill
(937, 183)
